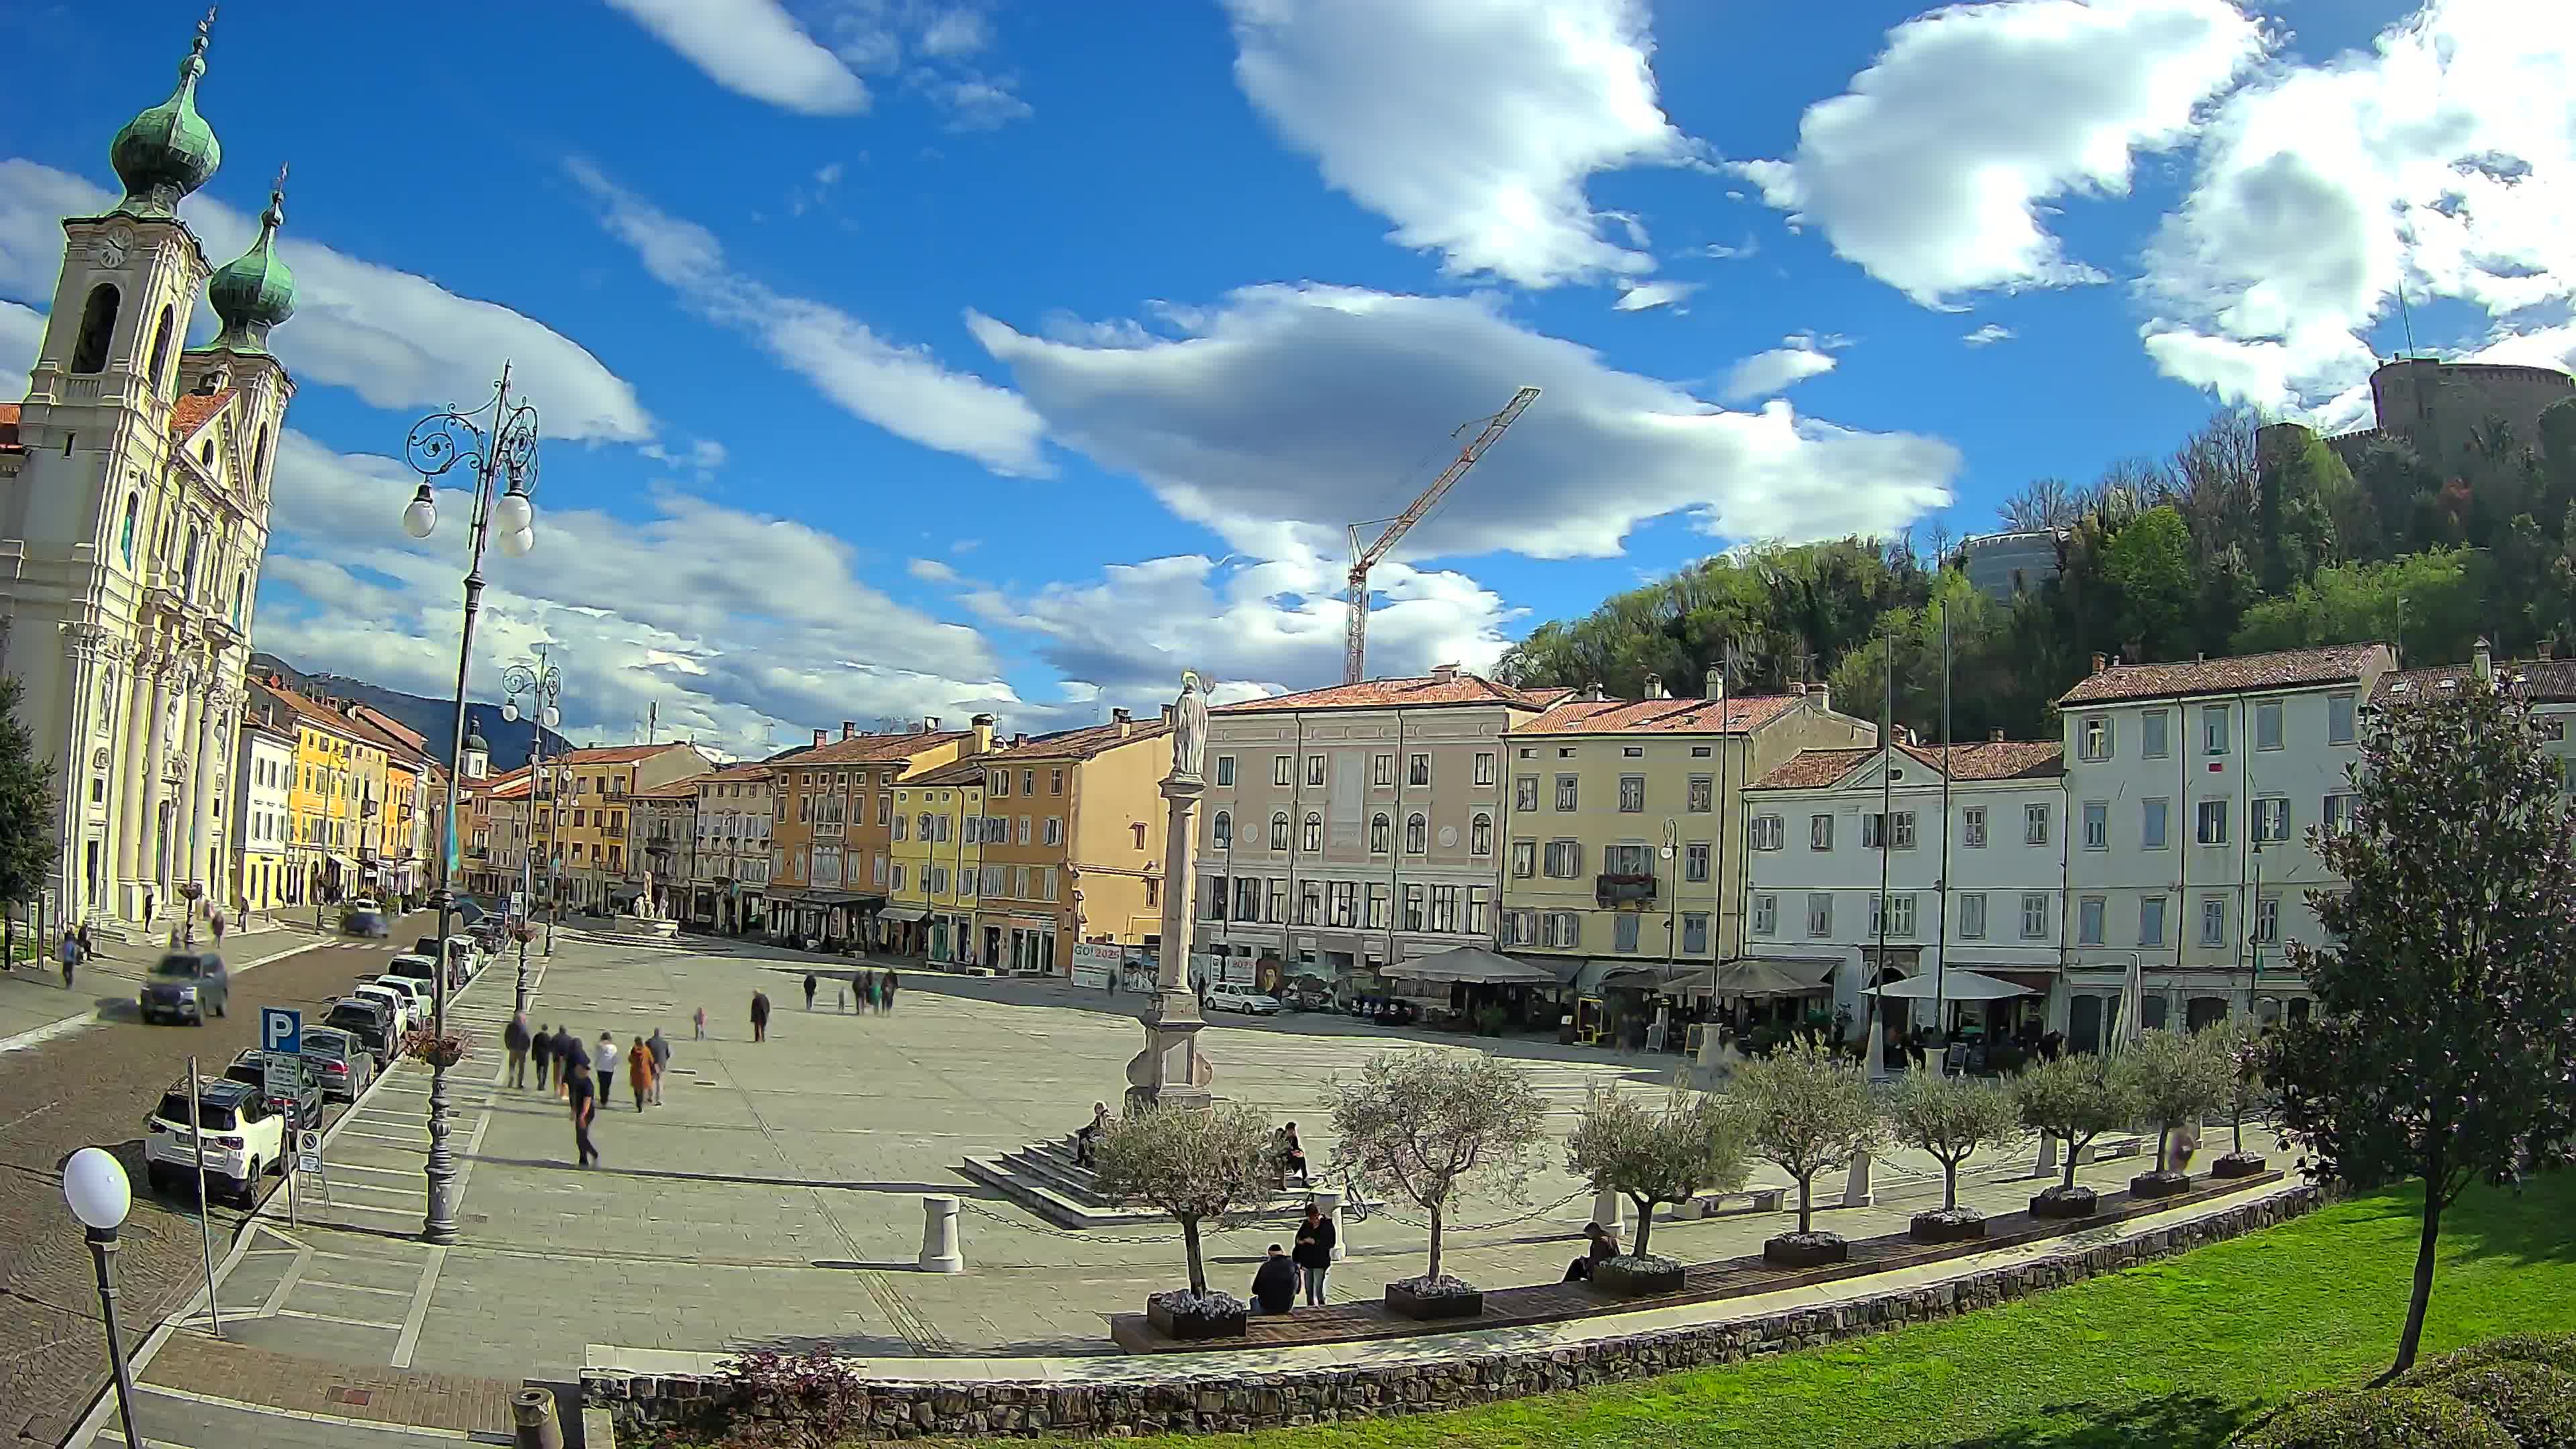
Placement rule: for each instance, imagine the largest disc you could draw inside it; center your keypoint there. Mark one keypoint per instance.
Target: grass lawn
(2172, 1355)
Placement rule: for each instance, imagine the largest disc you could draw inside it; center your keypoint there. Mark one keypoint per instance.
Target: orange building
(1072, 845)
(833, 828)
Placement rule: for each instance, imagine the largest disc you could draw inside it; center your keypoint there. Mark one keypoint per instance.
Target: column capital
(88, 642)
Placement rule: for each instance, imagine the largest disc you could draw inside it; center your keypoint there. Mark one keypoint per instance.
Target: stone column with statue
(1170, 1072)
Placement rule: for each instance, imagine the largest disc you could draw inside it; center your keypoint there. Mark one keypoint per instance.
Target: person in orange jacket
(639, 1071)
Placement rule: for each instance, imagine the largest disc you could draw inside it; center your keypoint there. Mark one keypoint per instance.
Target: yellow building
(593, 819)
(936, 852)
(337, 764)
(1623, 835)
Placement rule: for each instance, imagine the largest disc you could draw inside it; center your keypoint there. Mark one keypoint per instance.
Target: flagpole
(1949, 752)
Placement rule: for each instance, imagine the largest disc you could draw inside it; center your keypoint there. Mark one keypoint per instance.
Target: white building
(2190, 789)
(261, 825)
(1831, 829)
(729, 874)
(133, 521)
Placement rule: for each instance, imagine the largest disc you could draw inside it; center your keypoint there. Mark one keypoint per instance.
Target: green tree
(2433, 604)
(1200, 1166)
(2149, 562)
(1808, 1114)
(29, 847)
(1950, 1118)
(1424, 1123)
(2442, 1049)
(2073, 1099)
(2297, 478)
(1695, 1144)
(2172, 1078)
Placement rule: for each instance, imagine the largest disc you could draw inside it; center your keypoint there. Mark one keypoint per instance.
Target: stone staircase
(1044, 1178)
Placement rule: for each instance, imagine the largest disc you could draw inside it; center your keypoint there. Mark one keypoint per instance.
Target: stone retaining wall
(1218, 1400)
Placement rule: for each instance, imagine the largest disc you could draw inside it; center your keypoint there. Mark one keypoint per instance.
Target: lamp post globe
(510, 710)
(517, 542)
(95, 1185)
(420, 516)
(513, 513)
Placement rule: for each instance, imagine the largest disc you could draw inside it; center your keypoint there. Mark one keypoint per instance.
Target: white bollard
(2047, 1158)
(1330, 1200)
(1609, 1209)
(939, 1234)
(1856, 1186)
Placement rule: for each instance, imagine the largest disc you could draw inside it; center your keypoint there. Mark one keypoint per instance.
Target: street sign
(281, 1075)
(308, 1162)
(281, 1029)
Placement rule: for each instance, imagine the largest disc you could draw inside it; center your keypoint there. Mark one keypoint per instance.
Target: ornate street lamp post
(541, 685)
(497, 443)
(94, 1184)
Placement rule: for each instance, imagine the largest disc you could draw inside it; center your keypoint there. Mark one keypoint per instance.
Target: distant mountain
(432, 719)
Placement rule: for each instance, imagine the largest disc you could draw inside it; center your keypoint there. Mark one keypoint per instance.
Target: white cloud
(1642, 295)
(1720, 251)
(1988, 335)
(1776, 371)
(2439, 158)
(1471, 124)
(928, 45)
(753, 48)
(1285, 412)
(22, 330)
(931, 571)
(677, 608)
(1934, 169)
(396, 339)
(901, 389)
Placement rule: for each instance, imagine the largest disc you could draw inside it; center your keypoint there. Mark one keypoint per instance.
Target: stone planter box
(1195, 1327)
(1637, 1277)
(2059, 1202)
(1814, 1250)
(1404, 1302)
(2160, 1184)
(1933, 1227)
(2238, 1164)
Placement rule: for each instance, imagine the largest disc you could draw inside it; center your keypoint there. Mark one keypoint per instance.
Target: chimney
(2545, 649)
(1994, 737)
(820, 736)
(2200, 656)
(2098, 661)
(983, 725)
(1444, 672)
(1592, 693)
(1822, 694)
(1126, 723)
(930, 724)
(1019, 740)
(1797, 688)
(1715, 685)
(2482, 659)
(1655, 686)
(849, 729)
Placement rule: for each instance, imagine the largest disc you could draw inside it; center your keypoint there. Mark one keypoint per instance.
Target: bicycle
(1355, 1208)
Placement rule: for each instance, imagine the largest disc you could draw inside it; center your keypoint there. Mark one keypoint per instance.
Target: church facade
(134, 495)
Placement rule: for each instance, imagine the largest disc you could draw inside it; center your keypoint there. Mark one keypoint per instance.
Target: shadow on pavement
(955, 1189)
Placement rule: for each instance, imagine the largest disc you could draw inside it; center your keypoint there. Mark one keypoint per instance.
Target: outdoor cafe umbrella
(1748, 977)
(1960, 986)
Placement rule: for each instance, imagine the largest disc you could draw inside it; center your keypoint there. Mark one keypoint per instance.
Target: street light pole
(542, 686)
(95, 1185)
(497, 442)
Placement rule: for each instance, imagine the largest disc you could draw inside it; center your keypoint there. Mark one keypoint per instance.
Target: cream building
(135, 518)
(729, 874)
(261, 822)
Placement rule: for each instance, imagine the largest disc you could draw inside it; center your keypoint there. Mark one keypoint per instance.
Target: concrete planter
(1404, 1301)
(1937, 1227)
(1195, 1327)
(1811, 1250)
(2065, 1202)
(2238, 1164)
(1637, 1277)
(2160, 1184)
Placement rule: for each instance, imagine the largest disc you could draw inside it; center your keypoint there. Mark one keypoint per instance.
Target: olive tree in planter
(1695, 1143)
(1950, 1118)
(2172, 1078)
(1806, 1113)
(1423, 1124)
(2245, 1051)
(1200, 1166)
(2074, 1099)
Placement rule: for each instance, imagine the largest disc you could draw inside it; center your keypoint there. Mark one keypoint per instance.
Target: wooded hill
(2224, 547)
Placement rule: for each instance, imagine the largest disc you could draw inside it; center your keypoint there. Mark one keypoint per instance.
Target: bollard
(1609, 1209)
(939, 1234)
(2047, 1158)
(1330, 1200)
(1856, 1186)
(534, 1411)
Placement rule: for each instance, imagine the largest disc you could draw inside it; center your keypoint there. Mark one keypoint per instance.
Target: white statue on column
(1170, 1072)
(1189, 730)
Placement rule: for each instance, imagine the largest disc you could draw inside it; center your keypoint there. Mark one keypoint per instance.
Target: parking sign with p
(281, 1029)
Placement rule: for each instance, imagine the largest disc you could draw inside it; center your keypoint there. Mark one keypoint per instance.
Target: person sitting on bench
(1086, 1139)
(1292, 1156)
(1605, 1244)
(1274, 1283)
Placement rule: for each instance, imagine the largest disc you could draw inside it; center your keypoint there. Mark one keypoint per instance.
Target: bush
(2550, 1350)
(2377, 1419)
(774, 1398)
(2536, 1405)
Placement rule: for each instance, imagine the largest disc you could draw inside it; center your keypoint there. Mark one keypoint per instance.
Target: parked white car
(1236, 998)
(400, 1001)
(244, 1136)
(418, 992)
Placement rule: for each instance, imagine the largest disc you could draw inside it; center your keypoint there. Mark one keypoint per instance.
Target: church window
(241, 591)
(97, 328)
(206, 452)
(161, 345)
(125, 537)
(259, 460)
(188, 568)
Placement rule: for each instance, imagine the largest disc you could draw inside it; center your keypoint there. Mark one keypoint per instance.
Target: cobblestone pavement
(93, 1087)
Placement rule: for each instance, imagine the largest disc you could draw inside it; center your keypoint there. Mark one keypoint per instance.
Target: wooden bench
(1701, 1282)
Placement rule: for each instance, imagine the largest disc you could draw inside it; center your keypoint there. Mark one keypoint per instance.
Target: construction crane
(1355, 652)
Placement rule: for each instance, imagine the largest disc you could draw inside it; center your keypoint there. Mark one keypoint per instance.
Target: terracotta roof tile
(618, 754)
(2336, 664)
(968, 771)
(189, 413)
(2543, 681)
(686, 789)
(1985, 760)
(1658, 716)
(871, 749)
(1079, 744)
(1417, 693)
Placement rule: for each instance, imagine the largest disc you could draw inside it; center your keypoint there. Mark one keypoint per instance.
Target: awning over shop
(1953, 985)
(1759, 976)
(1470, 963)
(904, 913)
(2037, 983)
(344, 863)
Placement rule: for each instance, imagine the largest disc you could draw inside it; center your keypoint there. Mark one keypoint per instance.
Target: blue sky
(906, 357)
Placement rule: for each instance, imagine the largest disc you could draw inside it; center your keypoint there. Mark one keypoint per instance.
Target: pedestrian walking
(639, 1072)
(810, 984)
(1314, 1254)
(604, 1057)
(661, 1050)
(585, 1105)
(514, 1040)
(89, 947)
(568, 1054)
(759, 1016)
(70, 953)
(699, 1019)
(541, 1050)
(215, 923)
(885, 994)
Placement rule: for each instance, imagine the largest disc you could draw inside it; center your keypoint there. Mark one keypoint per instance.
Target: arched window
(188, 568)
(259, 462)
(97, 328)
(206, 453)
(1221, 830)
(1417, 834)
(125, 535)
(1314, 832)
(1480, 835)
(160, 345)
(1279, 831)
(241, 597)
(1381, 834)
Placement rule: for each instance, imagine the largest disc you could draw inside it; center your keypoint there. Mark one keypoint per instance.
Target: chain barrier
(1425, 1223)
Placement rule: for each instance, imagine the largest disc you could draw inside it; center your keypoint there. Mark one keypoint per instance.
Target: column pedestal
(1169, 1072)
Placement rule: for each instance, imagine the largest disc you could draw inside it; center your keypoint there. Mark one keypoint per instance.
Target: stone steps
(1043, 1178)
